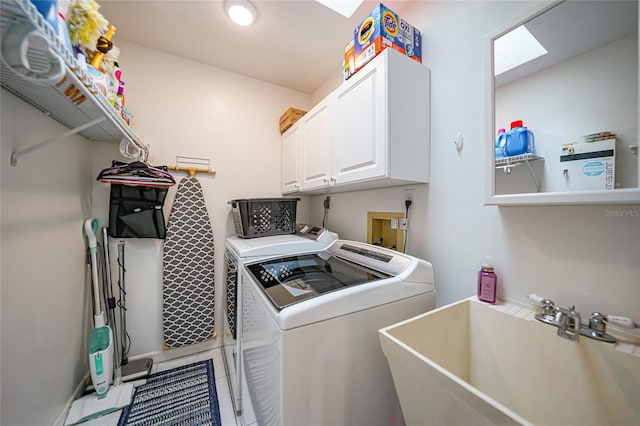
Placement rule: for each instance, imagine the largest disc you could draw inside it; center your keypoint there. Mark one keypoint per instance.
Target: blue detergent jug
(501, 141)
(49, 11)
(520, 140)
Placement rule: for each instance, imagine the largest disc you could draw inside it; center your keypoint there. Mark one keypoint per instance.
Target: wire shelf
(516, 160)
(51, 99)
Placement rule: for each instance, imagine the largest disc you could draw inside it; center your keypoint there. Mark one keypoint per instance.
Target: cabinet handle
(326, 180)
(333, 180)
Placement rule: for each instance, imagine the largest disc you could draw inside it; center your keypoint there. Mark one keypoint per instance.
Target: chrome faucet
(568, 321)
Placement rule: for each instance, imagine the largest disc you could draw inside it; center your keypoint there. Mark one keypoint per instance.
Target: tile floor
(227, 413)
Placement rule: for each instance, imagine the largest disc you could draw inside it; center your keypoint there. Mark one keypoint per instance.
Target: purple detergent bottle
(501, 141)
(487, 282)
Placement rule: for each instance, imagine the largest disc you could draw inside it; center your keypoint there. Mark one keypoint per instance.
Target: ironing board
(188, 269)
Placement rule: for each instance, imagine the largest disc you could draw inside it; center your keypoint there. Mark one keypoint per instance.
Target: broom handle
(111, 306)
(123, 302)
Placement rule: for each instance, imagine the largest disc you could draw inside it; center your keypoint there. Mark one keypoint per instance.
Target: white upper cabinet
(291, 160)
(373, 131)
(360, 127)
(316, 146)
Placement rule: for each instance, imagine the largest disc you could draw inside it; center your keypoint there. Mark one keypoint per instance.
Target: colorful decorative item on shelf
(86, 24)
(100, 79)
(597, 137)
(103, 46)
(91, 35)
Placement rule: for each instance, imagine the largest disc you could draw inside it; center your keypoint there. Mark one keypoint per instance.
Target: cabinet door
(360, 127)
(291, 159)
(316, 146)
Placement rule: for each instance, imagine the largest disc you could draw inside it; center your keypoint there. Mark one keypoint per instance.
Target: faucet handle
(548, 307)
(534, 297)
(622, 321)
(597, 322)
(597, 328)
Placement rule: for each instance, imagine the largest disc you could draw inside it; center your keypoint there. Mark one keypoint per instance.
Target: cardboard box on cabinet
(289, 117)
(382, 29)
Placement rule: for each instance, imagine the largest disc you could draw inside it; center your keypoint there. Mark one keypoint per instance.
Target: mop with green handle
(101, 337)
(106, 398)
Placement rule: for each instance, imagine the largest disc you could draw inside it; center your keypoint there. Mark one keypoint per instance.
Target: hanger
(136, 173)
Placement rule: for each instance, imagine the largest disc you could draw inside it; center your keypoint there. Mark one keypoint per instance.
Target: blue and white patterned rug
(181, 396)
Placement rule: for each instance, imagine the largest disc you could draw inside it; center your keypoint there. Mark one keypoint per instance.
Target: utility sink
(470, 363)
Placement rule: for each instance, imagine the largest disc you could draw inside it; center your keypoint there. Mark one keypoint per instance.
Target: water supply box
(289, 117)
(588, 166)
(381, 29)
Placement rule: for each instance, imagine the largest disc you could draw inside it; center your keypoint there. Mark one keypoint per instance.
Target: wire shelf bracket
(17, 154)
(509, 163)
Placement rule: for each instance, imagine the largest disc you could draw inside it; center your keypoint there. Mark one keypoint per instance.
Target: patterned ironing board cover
(188, 269)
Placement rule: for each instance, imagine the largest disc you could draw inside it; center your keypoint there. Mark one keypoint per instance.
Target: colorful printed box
(349, 63)
(381, 29)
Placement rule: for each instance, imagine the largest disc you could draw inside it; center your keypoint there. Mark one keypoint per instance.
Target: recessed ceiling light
(516, 48)
(241, 12)
(343, 7)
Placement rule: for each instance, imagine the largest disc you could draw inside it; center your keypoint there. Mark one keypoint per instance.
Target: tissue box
(289, 117)
(381, 29)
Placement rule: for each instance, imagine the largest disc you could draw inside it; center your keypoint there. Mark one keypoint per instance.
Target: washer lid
(292, 279)
(307, 239)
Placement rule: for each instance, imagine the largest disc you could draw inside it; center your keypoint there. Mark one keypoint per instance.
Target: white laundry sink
(470, 363)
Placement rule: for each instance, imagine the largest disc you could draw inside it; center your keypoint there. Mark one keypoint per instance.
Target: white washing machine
(308, 238)
(310, 333)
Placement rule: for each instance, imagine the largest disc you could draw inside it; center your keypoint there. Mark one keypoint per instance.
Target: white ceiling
(573, 28)
(297, 44)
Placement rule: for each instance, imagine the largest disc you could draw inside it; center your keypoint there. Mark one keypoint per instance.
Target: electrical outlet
(409, 194)
(404, 223)
(327, 202)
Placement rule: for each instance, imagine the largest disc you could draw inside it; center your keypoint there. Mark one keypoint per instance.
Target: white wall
(590, 93)
(583, 255)
(45, 295)
(185, 108)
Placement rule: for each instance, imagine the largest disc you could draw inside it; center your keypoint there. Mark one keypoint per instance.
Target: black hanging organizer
(137, 195)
